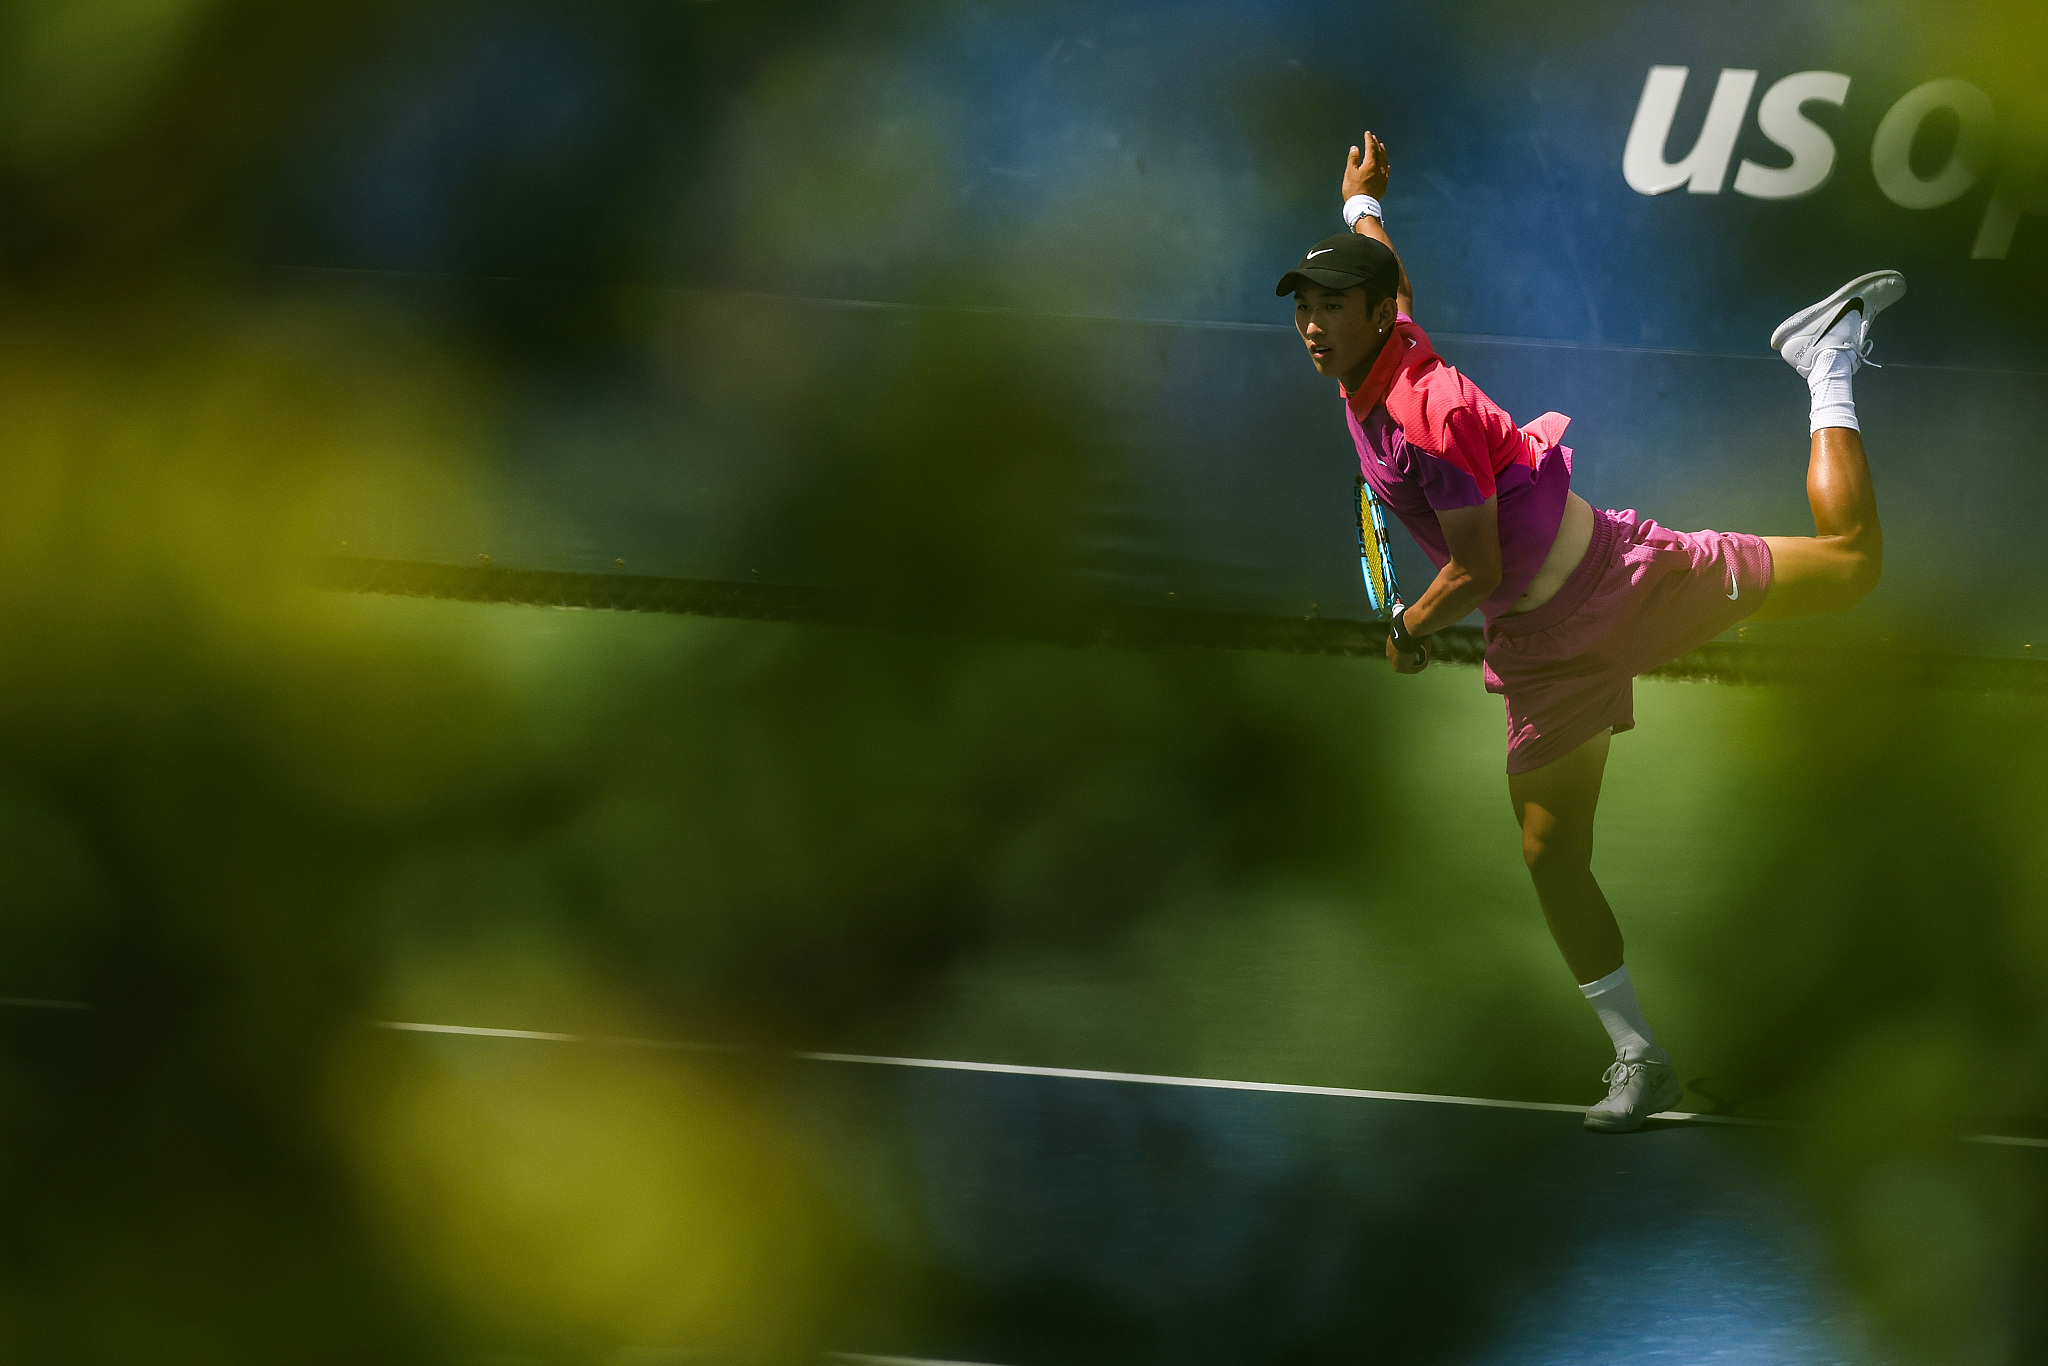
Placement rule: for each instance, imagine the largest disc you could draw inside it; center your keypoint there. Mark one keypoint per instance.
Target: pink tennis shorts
(1642, 597)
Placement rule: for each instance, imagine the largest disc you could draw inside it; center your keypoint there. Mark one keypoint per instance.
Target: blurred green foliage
(240, 820)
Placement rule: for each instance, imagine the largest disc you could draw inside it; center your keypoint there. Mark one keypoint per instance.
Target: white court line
(1068, 1074)
(480, 1032)
(1084, 1074)
(413, 1027)
(1343, 1092)
(1199, 1083)
(856, 1359)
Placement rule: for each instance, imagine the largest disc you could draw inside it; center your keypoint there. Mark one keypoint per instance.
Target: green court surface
(1422, 966)
(778, 861)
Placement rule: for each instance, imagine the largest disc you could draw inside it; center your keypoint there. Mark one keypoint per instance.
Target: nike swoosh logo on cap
(1314, 254)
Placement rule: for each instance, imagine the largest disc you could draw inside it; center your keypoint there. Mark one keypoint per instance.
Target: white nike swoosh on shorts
(1734, 588)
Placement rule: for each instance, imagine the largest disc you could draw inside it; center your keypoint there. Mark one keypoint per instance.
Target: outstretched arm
(1366, 173)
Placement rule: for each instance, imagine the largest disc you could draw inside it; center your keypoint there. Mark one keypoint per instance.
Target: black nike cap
(1345, 260)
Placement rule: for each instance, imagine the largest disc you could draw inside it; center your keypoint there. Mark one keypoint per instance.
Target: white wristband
(1358, 206)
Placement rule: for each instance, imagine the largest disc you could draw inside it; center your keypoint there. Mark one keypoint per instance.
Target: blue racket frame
(1376, 555)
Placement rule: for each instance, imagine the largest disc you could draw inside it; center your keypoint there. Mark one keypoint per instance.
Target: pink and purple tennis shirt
(1430, 441)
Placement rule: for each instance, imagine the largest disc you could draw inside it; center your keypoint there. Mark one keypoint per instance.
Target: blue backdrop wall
(1604, 208)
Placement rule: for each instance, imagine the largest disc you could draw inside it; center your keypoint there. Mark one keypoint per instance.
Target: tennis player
(1576, 602)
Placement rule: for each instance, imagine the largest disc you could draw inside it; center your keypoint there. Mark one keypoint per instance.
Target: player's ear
(1383, 316)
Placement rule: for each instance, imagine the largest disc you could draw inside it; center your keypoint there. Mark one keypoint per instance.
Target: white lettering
(1813, 151)
(1977, 135)
(1705, 168)
(2022, 188)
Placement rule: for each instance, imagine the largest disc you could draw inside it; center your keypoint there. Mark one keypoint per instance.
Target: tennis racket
(1376, 557)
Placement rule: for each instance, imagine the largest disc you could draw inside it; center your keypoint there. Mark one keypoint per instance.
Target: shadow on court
(1097, 1222)
(1046, 1221)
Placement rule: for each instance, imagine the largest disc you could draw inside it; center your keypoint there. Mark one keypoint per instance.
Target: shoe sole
(1628, 1126)
(1864, 285)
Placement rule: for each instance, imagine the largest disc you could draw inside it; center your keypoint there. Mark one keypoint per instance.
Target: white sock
(1834, 405)
(1614, 1000)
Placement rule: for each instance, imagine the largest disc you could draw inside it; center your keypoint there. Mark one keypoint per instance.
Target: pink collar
(1407, 346)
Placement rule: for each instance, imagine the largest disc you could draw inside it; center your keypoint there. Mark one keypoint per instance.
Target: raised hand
(1365, 172)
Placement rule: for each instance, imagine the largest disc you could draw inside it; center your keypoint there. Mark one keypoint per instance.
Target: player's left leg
(1832, 570)
(1555, 806)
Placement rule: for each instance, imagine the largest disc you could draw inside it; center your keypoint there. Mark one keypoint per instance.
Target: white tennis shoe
(1824, 327)
(1635, 1091)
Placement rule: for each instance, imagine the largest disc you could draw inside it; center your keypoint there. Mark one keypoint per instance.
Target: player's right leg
(1834, 568)
(1555, 804)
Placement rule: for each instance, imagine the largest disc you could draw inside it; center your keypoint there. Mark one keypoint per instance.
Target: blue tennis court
(1068, 1217)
